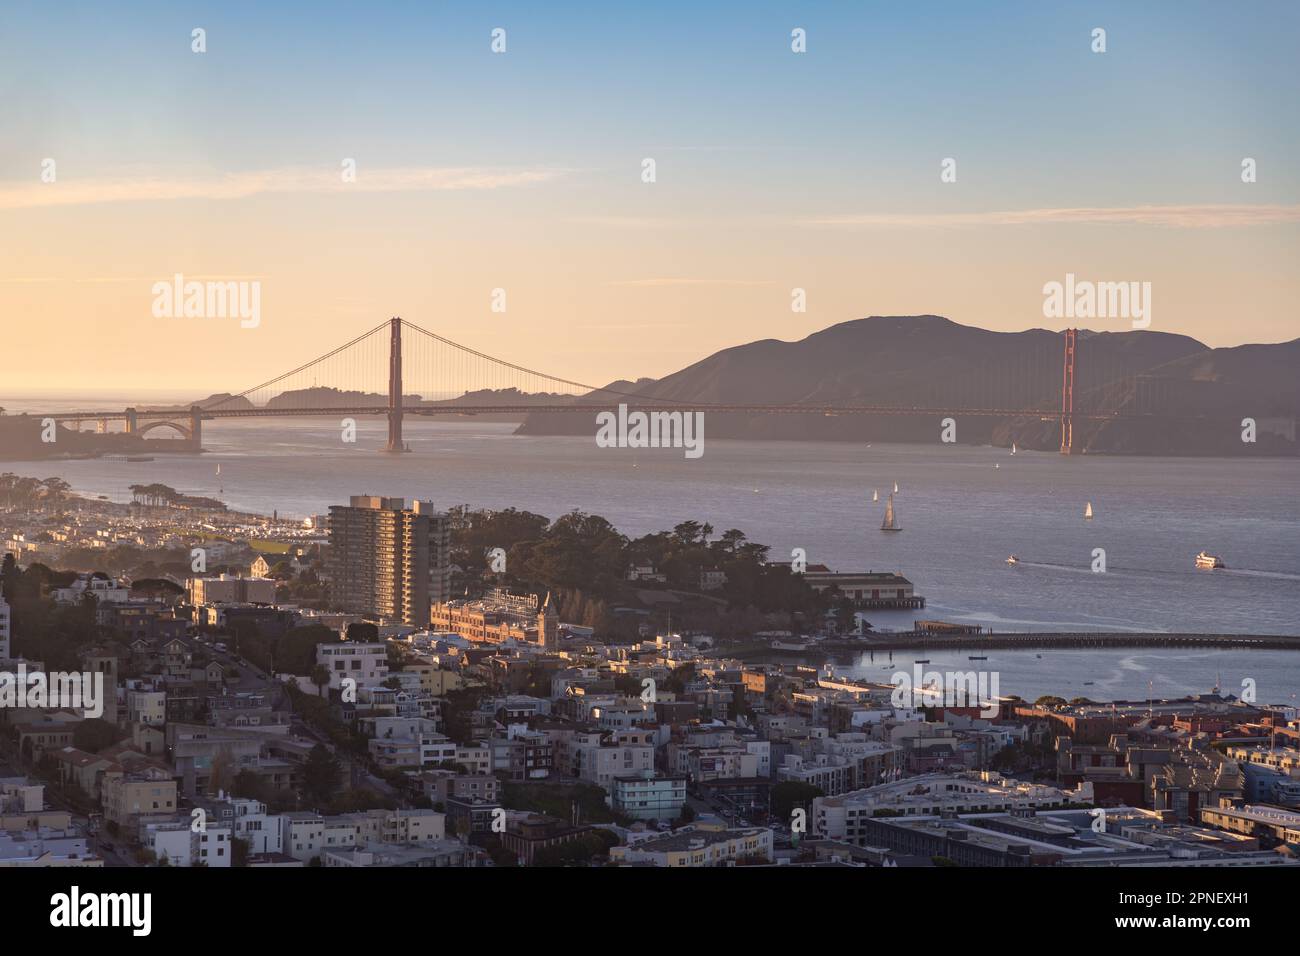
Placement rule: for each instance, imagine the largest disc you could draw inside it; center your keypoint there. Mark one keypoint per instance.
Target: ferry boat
(1204, 560)
(1012, 559)
(793, 645)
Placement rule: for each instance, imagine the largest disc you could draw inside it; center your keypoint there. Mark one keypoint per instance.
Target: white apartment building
(103, 590)
(307, 835)
(366, 663)
(250, 822)
(407, 742)
(181, 846)
(618, 754)
(648, 797)
(146, 707)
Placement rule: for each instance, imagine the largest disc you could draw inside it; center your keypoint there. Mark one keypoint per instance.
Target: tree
(320, 676)
(321, 775)
(362, 632)
(789, 794)
(94, 735)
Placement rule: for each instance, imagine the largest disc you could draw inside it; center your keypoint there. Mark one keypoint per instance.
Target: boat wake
(1251, 573)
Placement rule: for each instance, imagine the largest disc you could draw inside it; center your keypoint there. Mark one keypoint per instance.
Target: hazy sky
(523, 171)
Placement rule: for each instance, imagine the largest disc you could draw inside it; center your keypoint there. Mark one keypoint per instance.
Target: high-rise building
(387, 559)
(4, 629)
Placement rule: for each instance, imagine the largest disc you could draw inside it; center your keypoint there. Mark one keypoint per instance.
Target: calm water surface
(963, 510)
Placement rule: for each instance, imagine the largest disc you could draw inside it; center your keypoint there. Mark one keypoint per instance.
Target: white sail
(890, 523)
(1087, 512)
(895, 487)
(1013, 448)
(875, 495)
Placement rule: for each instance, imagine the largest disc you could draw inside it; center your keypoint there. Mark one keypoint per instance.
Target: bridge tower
(1067, 394)
(395, 443)
(132, 423)
(196, 427)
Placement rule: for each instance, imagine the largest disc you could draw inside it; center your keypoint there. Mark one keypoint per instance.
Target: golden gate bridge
(373, 365)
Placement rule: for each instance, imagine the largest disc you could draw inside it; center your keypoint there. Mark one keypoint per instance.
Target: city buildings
(501, 617)
(648, 796)
(389, 559)
(227, 589)
(695, 847)
(365, 663)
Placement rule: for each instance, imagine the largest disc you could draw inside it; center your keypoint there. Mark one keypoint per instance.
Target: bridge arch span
(185, 431)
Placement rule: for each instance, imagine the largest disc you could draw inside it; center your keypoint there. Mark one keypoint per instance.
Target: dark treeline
(583, 561)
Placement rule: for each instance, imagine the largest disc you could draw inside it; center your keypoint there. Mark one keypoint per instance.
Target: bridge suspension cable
(301, 368)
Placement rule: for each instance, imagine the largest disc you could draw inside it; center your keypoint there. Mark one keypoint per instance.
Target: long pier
(937, 642)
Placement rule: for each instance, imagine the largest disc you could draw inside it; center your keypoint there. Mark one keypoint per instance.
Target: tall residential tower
(389, 560)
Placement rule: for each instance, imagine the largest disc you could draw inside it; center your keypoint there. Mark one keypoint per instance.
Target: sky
(523, 171)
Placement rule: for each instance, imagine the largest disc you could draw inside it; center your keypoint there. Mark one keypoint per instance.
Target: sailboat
(1087, 512)
(890, 523)
(1013, 448)
(895, 487)
(220, 485)
(875, 495)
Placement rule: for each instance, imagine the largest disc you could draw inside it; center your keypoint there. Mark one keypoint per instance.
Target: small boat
(1012, 559)
(974, 658)
(926, 661)
(890, 523)
(996, 465)
(1038, 655)
(875, 495)
(1087, 512)
(1088, 683)
(1204, 560)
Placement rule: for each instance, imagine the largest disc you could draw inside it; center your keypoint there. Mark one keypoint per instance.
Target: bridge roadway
(583, 407)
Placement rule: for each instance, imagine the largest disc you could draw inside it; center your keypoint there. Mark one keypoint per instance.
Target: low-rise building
(693, 847)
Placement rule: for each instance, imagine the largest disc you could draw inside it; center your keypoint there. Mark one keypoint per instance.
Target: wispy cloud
(71, 191)
(1190, 216)
(633, 222)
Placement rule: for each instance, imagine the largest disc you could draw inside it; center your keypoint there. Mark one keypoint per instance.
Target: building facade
(388, 560)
